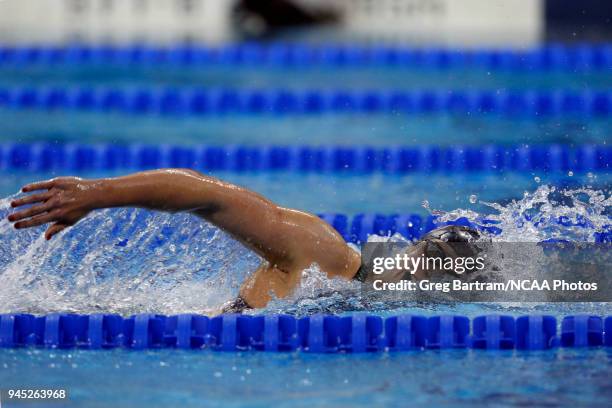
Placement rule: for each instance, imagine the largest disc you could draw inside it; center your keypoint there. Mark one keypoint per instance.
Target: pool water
(300, 77)
(130, 261)
(331, 129)
(564, 378)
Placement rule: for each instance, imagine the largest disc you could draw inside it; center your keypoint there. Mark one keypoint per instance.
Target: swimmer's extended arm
(289, 240)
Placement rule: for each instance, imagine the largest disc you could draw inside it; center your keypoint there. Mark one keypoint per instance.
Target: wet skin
(288, 240)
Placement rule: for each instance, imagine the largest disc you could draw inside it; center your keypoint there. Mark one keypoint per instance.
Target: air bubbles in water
(537, 179)
(425, 204)
(570, 173)
(473, 198)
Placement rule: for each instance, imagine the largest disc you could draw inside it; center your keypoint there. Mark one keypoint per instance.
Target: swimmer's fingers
(38, 220)
(31, 212)
(40, 185)
(55, 229)
(31, 199)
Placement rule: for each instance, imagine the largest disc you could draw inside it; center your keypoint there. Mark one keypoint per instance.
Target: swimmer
(288, 240)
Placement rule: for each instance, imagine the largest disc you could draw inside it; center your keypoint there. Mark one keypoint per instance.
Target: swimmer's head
(427, 257)
(453, 233)
(450, 245)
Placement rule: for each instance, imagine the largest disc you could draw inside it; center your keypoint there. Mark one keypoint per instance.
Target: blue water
(177, 264)
(332, 129)
(172, 378)
(301, 77)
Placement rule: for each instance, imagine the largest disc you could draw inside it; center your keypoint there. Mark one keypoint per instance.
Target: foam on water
(130, 260)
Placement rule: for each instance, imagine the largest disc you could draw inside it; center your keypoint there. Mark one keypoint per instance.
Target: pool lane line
(356, 333)
(530, 104)
(582, 57)
(352, 160)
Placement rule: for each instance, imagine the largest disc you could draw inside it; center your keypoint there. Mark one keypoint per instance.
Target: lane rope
(551, 158)
(581, 57)
(174, 101)
(356, 333)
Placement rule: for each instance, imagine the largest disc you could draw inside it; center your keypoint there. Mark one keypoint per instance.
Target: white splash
(123, 261)
(536, 216)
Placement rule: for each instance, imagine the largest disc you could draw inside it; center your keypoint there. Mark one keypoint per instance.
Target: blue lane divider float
(582, 331)
(203, 102)
(536, 332)
(608, 331)
(448, 332)
(358, 333)
(406, 332)
(308, 159)
(580, 57)
(494, 332)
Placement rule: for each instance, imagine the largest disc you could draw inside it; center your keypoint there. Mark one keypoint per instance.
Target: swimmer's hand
(65, 201)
